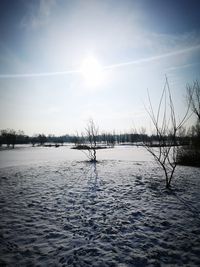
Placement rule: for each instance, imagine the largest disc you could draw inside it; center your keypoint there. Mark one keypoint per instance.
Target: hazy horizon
(63, 62)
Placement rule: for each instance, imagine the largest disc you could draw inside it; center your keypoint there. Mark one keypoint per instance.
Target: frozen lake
(23, 155)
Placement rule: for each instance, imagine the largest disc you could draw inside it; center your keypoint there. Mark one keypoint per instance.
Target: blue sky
(43, 44)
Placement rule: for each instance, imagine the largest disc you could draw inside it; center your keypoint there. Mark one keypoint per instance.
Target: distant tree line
(10, 138)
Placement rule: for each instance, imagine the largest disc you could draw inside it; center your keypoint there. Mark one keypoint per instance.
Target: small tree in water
(91, 135)
(166, 131)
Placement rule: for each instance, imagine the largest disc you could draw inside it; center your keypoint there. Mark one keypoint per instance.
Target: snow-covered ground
(56, 209)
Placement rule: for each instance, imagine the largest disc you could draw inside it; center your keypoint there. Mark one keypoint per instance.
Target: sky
(64, 62)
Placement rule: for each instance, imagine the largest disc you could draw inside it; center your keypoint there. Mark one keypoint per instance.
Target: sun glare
(92, 71)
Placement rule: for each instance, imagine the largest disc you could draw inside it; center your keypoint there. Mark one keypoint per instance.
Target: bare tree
(193, 96)
(91, 135)
(42, 139)
(166, 132)
(9, 136)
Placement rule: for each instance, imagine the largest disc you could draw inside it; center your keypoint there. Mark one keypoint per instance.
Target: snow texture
(112, 213)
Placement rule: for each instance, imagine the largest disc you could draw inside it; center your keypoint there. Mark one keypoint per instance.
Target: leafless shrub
(193, 95)
(91, 135)
(166, 131)
(190, 155)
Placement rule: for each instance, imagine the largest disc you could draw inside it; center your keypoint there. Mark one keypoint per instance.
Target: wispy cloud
(164, 42)
(183, 66)
(38, 13)
(9, 60)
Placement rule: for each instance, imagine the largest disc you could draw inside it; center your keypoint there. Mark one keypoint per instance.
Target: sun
(92, 71)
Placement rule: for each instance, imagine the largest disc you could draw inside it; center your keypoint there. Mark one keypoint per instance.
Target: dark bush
(189, 157)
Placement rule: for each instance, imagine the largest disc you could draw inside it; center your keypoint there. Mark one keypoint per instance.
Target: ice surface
(22, 155)
(61, 211)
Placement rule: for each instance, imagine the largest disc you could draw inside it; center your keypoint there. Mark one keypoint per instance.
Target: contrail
(43, 74)
(153, 58)
(113, 66)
